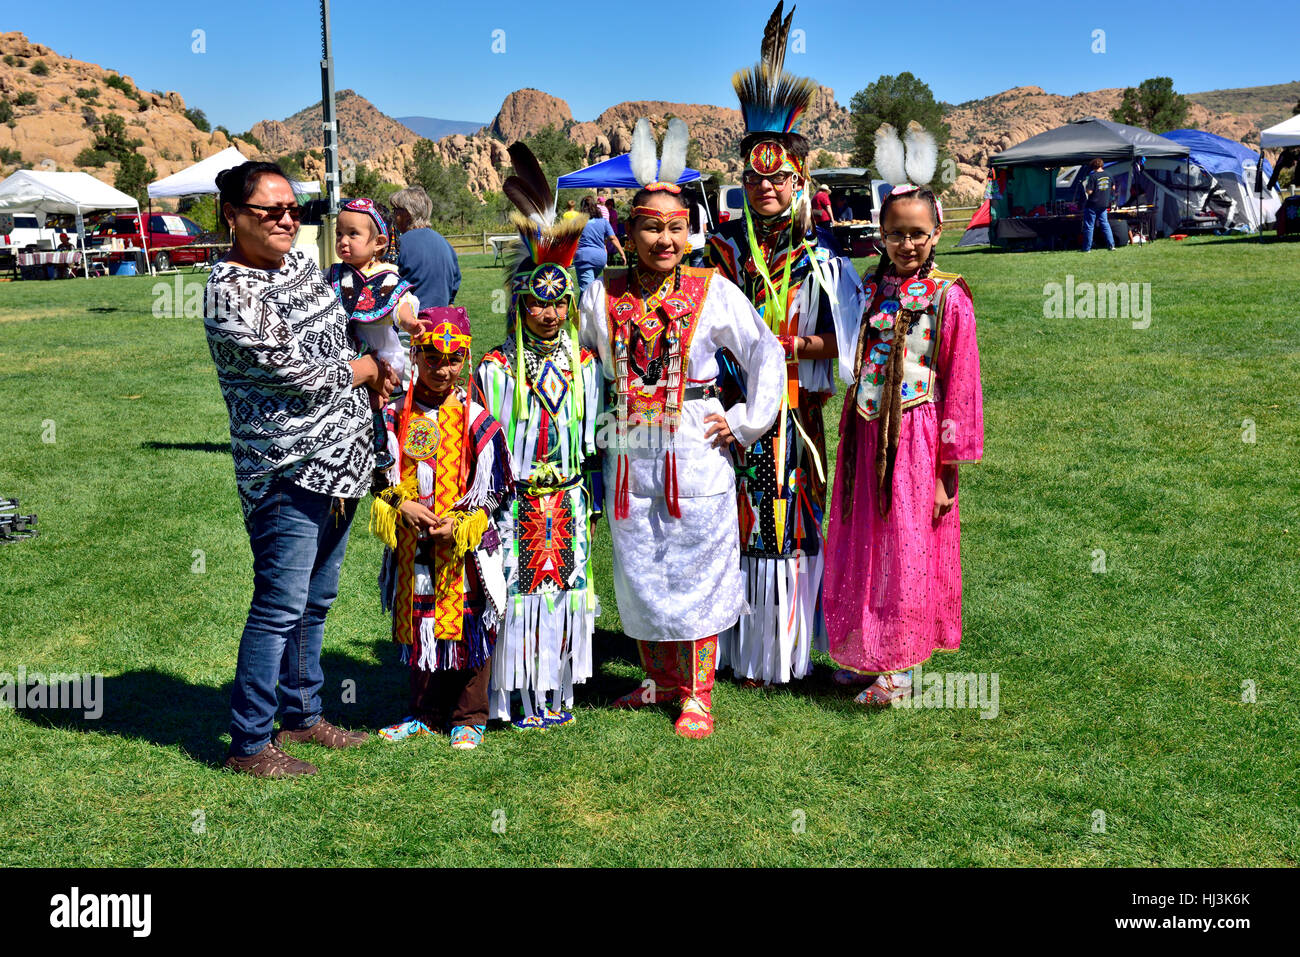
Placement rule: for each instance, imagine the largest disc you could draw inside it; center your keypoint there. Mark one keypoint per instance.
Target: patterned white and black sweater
(280, 342)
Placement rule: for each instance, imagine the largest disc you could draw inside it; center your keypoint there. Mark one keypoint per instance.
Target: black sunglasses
(273, 214)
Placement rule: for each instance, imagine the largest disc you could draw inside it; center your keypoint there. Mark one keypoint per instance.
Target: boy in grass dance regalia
(442, 575)
(546, 391)
(810, 297)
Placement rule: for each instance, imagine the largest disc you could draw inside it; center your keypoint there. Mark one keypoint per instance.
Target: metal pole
(330, 126)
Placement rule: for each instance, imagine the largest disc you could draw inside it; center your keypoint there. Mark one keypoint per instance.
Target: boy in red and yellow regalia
(442, 575)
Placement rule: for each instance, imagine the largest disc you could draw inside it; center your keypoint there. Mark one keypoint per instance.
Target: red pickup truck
(168, 239)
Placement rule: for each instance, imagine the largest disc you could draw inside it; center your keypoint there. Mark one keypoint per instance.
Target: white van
(25, 232)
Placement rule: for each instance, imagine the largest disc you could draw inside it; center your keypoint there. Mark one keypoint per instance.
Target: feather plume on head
(914, 164)
(922, 154)
(643, 158)
(660, 171)
(911, 168)
(542, 240)
(772, 100)
(889, 155)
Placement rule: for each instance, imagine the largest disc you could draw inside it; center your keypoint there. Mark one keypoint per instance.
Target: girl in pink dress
(893, 568)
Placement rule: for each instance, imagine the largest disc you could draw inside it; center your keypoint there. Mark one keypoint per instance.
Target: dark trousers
(449, 698)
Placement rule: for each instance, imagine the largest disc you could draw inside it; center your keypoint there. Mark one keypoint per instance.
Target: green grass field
(1171, 449)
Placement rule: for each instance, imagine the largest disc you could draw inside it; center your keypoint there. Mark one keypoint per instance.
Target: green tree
(113, 139)
(199, 119)
(896, 100)
(454, 206)
(367, 182)
(1153, 106)
(39, 68)
(6, 110)
(134, 175)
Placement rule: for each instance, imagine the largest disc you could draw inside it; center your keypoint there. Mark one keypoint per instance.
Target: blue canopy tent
(613, 173)
(1239, 172)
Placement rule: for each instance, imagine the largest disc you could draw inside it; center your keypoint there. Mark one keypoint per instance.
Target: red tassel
(670, 484)
(622, 498)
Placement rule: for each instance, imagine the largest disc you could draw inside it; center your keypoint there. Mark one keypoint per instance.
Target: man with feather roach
(809, 295)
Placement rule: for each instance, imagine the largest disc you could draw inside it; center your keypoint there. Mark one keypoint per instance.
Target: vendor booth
(1286, 137)
(1025, 208)
(43, 192)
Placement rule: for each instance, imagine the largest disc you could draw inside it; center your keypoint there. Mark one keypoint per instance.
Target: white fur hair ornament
(660, 171)
(908, 163)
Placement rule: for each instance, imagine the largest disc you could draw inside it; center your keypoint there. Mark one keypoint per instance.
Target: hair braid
(891, 399)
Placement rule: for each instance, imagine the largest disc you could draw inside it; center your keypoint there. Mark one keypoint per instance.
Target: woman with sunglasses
(792, 272)
(300, 434)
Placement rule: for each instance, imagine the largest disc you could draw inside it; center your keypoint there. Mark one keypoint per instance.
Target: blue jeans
(589, 266)
(1089, 222)
(298, 539)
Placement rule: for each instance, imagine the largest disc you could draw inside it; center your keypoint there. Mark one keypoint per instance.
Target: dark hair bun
(237, 184)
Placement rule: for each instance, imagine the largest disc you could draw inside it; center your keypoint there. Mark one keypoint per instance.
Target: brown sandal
(270, 762)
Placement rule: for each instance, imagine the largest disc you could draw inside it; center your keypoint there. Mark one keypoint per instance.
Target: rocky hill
(718, 131)
(364, 132)
(979, 128)
(57, 109)
(982, 128)
(1266, 105)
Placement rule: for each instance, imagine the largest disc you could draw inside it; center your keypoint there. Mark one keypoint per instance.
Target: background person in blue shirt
(591, 259)
(426, 260)
(1098, 190)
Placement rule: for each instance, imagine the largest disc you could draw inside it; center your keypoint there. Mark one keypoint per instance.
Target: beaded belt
(710, 391)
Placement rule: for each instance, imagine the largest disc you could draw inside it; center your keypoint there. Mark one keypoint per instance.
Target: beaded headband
(659, 214)
(663, 187)
(368, 207)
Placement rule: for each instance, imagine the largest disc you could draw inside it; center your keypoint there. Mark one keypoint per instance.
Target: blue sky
(436, 59)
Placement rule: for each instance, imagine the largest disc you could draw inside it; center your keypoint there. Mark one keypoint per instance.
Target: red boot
(659, 659)
(699, 660)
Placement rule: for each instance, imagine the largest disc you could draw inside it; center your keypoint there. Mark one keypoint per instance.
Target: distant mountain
(364, 132)
(432, 128)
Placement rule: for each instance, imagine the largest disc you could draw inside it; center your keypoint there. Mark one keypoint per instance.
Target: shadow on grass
(166, 710)
(223, 447)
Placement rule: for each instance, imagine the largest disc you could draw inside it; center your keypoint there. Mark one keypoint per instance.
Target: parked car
(853, 189)
(25, 232)
(168, 238)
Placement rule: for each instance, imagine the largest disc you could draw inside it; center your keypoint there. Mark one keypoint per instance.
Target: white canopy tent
(202, 177)
(42, 191)
(1286, 133)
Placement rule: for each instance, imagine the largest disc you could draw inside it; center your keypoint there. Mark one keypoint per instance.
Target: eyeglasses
(916, 239)
(540, 308)
(776, 179)
(273, 214)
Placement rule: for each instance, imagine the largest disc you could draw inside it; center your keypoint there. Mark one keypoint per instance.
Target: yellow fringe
(397, 494)
(469, 530)
(383, 522)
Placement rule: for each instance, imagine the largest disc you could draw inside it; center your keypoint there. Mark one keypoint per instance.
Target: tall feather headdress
(772, 100)
(543, 242)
